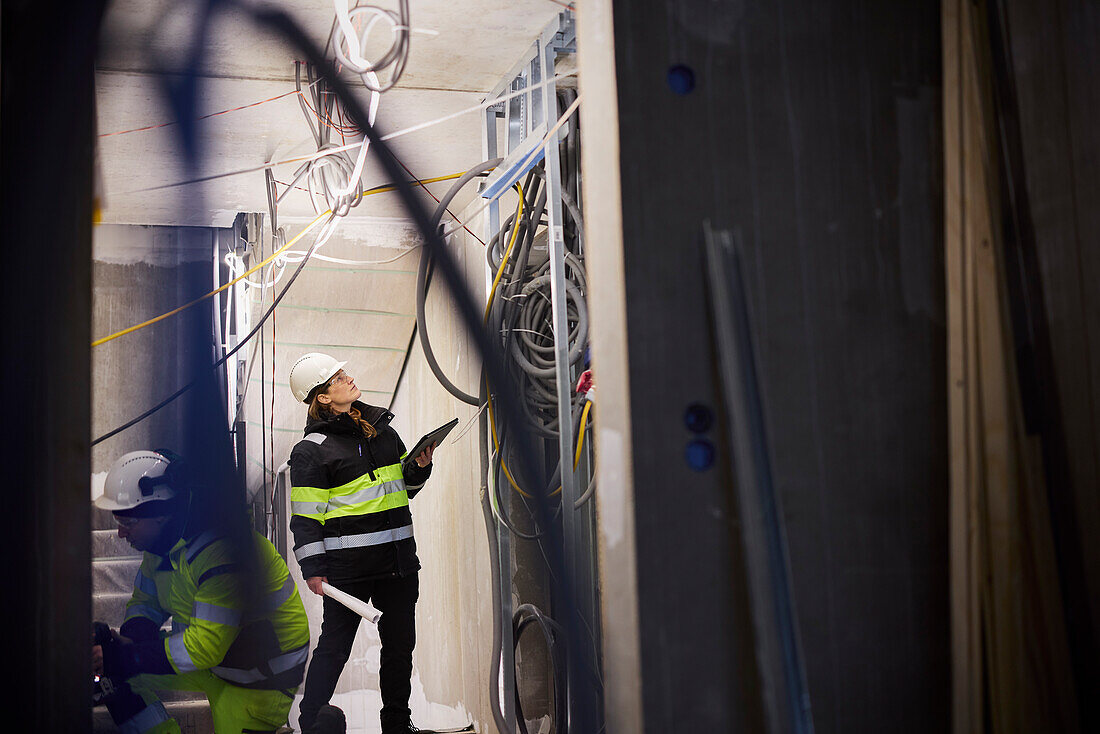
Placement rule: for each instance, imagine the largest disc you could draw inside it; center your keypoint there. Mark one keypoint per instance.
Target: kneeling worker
(249, 664)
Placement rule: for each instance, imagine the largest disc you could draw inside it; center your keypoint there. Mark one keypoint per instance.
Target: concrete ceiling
(364, 314)
(477, 42)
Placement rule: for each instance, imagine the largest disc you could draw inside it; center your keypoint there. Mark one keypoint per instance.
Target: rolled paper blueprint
(360, 607)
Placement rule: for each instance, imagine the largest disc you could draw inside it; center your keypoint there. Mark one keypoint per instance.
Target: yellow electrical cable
(576, 459)
(580, 440)
(488, 306)
(216, 291)
(496, 442)
(437, 179)
(507, 253)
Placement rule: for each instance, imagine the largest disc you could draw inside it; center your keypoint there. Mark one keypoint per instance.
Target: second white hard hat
(134, 479)
(311, 370)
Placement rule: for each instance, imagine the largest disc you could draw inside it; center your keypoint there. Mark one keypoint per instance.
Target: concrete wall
(359, 313)
(455, 615)
(140, 272)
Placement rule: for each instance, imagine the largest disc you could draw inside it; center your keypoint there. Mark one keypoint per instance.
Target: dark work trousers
(396, 599)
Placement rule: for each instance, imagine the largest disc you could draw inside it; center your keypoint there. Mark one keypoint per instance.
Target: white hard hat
(311, 370)
(134, 479)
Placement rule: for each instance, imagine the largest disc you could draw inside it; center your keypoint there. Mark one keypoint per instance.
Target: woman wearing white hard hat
(350, 488)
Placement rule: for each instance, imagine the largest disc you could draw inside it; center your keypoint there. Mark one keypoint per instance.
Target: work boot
(408, 728)
(330, 720)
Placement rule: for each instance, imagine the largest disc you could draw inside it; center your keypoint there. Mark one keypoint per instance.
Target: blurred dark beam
(47, 150)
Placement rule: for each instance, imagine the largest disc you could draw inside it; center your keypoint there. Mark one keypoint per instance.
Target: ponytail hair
(368, 430)
(318, 411)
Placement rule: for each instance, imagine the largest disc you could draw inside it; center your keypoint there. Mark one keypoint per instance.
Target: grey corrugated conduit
(525, 615)
(494, 566)
(538, 359)
(520, 317)
(423, 278)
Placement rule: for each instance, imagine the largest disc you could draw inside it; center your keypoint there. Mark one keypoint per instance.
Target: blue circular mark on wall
(699, 454)
(698, 418)
(681, 79)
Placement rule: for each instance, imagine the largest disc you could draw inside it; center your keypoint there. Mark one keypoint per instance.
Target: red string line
(212, 114)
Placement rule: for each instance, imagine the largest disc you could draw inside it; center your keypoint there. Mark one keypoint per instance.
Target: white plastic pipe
(360, 607)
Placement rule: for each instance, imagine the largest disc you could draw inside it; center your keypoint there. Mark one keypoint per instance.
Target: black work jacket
(350, 499)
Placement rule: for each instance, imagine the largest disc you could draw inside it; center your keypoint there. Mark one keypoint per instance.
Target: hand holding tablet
(432, 438)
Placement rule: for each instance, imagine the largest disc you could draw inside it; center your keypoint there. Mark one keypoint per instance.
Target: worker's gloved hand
(123, 659)
(140, 629)
(102, 636)
(118, 662)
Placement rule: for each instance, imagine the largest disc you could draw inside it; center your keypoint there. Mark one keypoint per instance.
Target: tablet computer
(428, 439)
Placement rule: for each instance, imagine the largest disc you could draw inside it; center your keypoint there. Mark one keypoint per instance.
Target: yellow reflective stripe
(372, 492)
(308, 494)
(385, 502)
(309, 502)
(381, 476)
(384, 492)
(389, 473)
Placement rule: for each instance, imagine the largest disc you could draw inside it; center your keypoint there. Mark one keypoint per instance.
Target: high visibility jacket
(199, 585)
(350, 499)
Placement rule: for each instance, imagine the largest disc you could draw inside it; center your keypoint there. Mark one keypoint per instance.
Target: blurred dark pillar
(811, 131)
(1045, 61)
(47, 152)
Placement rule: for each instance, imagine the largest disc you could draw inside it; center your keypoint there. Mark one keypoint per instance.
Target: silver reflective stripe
(178, 627)
(199, 544)
(288, 660)
(144, 610)
(308, 508)
(317, 438)
(238, 676)
(145, 584)
(214, 613)
(145, 719)
(279, 597)
(180, 656)
(366, 539)
(309, 550)
(415, 486)
(363, 495)
(279, 664)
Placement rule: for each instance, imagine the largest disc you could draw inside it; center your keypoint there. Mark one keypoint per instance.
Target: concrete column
(811, 132)
(141, 272)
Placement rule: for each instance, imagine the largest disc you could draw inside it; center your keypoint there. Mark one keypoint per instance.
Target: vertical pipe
(560, 320)
(507, 653)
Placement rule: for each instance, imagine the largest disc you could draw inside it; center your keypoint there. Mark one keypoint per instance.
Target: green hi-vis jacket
(199, 585)
(349, 499)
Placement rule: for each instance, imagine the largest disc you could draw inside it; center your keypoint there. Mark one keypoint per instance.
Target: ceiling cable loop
(348, 42)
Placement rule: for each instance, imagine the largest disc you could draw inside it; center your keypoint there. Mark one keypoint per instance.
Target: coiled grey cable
(396, 56)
